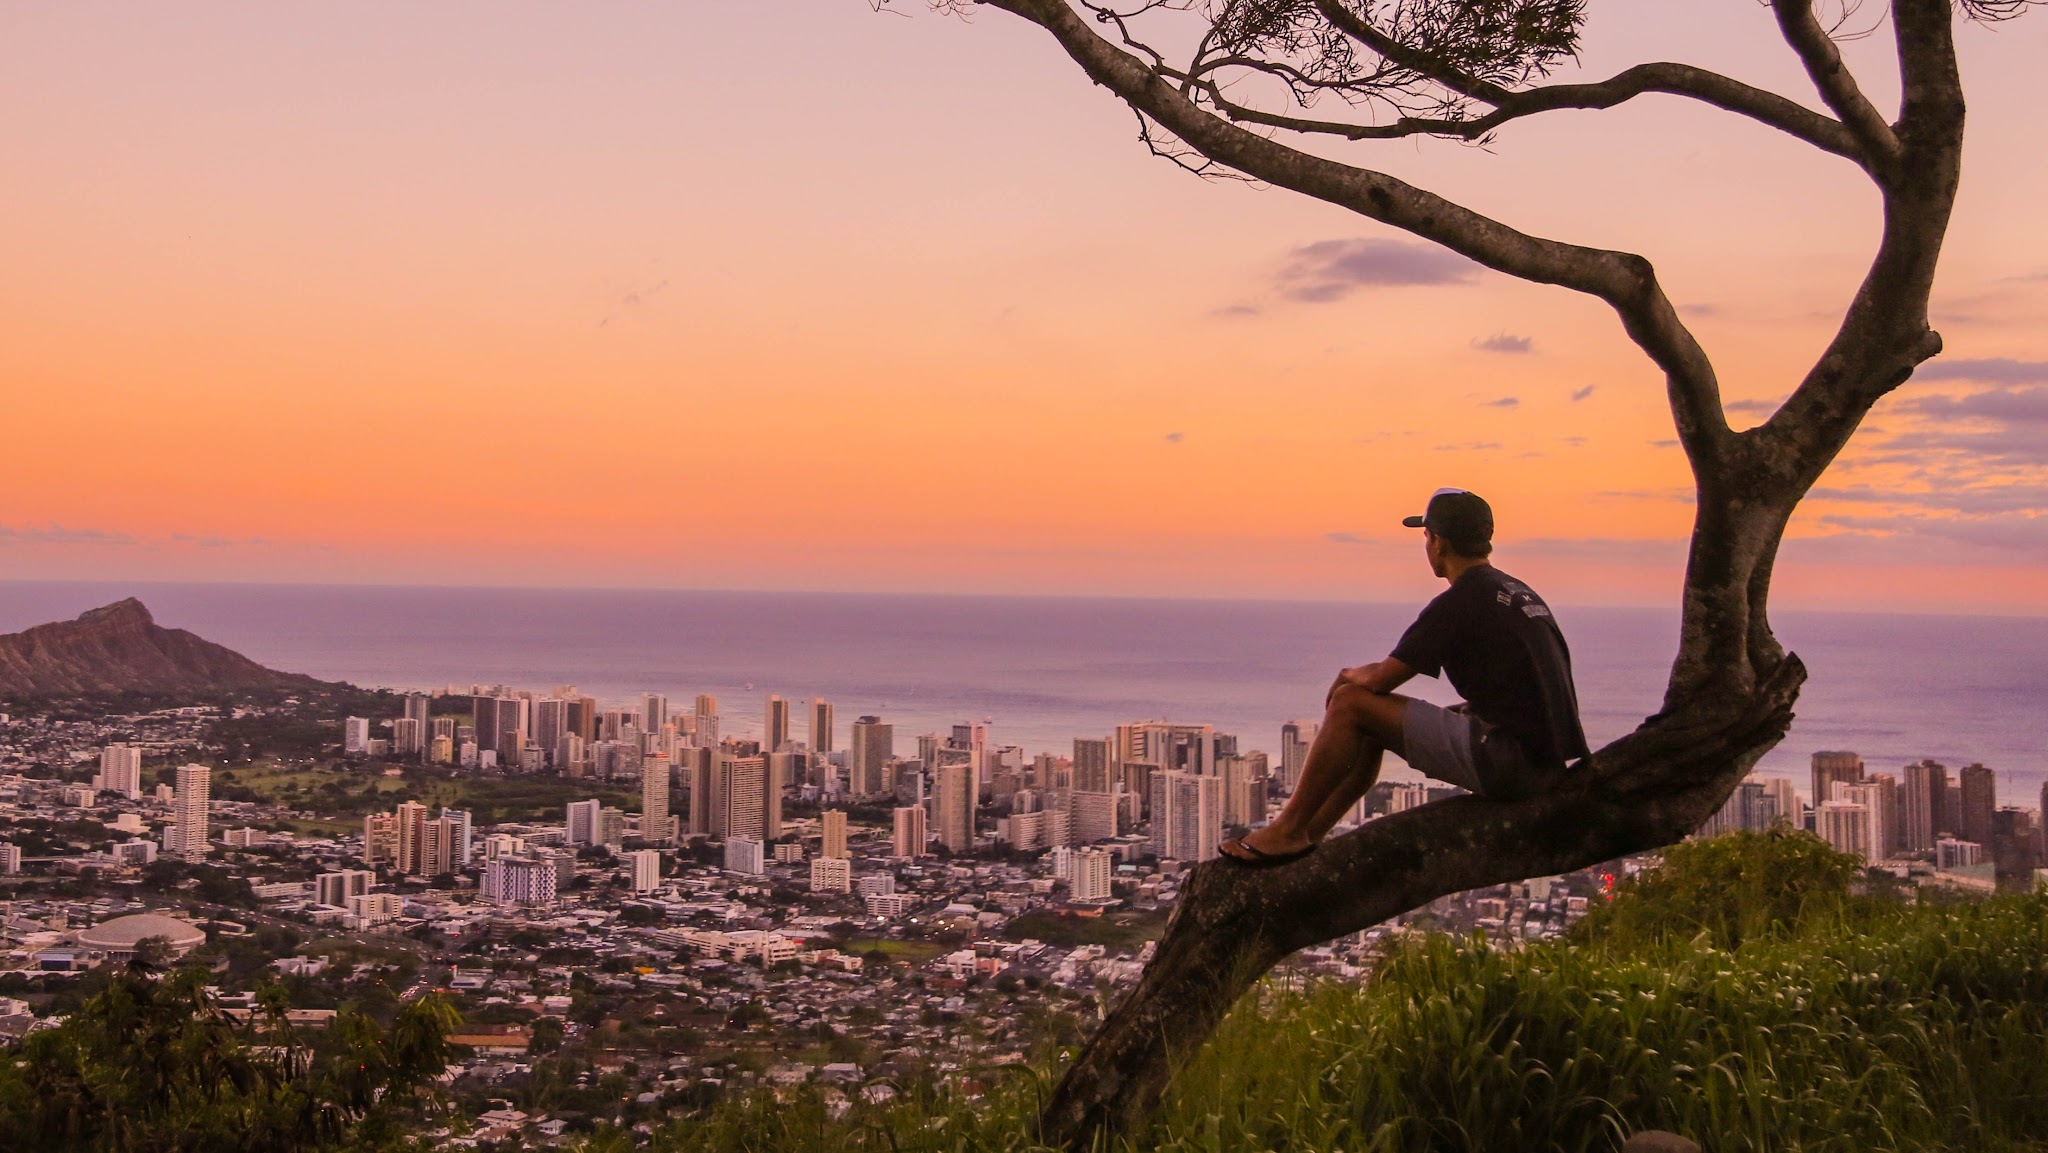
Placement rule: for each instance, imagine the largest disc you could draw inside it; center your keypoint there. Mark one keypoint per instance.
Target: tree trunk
(1232, 924)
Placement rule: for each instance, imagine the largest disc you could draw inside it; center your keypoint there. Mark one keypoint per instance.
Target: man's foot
(1260, 848)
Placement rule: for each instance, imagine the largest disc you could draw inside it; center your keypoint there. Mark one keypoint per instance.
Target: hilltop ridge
(119, 648)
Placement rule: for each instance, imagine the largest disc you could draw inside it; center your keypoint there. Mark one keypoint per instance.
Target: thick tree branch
(1767, 108)
(1627, 282)
(1730, 95)
(1885, 334)
(1837, 86)
(1648, 789)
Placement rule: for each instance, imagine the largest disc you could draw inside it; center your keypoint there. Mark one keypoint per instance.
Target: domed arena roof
(123, 933)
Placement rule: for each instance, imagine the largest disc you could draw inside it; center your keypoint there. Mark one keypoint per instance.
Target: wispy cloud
(59, 534)
(1469, 446)
(1579, 394)
(1176, 437)
(2004, 405)
(1505, 342)
(1501, 402)
(1976, 500)
(1333, 269)
(1237, 311)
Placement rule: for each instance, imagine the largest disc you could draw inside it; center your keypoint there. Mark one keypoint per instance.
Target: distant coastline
(1893, 687)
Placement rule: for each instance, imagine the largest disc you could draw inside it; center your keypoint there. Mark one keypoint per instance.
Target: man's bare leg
(1358, 727)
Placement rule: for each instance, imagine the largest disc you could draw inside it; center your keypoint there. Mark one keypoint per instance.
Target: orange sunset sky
(792, 295)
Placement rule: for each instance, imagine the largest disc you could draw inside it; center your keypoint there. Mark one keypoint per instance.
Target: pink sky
(794, 295)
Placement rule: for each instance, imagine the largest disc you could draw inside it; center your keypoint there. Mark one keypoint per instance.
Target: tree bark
(1732, 686)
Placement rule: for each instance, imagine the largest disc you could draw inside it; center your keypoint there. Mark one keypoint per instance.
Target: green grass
(341, 793)
(1117, 930)
(913, 952)
(1742, 995)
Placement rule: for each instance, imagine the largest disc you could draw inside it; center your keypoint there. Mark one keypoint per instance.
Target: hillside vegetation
(1743, 993)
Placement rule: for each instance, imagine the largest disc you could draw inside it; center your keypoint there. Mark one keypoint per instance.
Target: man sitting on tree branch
(1497, 642)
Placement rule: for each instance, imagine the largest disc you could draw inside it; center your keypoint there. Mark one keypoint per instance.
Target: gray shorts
(1465, 751)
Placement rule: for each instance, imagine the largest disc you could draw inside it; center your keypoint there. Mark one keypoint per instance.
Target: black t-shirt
(1497, 642)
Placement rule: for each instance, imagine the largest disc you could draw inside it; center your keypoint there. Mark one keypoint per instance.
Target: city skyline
(231, 290)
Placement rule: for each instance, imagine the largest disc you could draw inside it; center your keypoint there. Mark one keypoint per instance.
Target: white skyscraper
(188, 809)
(582, 822)
(355, 736)
(1187, 815)
(910, 839)
(121, 770)
(646, 869)
(743, 855)
(707, 721)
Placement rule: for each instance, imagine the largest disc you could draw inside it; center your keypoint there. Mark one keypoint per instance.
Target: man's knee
(1376, 713)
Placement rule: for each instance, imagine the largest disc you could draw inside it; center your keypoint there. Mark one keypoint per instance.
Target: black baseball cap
(1457, 516)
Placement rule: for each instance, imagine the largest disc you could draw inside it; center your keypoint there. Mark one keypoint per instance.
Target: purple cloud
(1990, 370)
(1505, 342)
(1333, 269)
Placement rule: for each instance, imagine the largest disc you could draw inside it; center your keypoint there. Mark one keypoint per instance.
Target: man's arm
(1383, 676)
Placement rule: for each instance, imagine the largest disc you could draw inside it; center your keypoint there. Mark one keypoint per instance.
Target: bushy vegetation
(1743, 994)
(148, 1065)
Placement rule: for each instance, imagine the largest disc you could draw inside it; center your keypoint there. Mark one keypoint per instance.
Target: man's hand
(1378, 677)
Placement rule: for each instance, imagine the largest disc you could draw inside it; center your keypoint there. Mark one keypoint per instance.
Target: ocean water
(1043, 671)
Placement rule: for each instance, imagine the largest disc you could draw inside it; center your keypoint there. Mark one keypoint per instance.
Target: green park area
(1117, 930)
(338, 796)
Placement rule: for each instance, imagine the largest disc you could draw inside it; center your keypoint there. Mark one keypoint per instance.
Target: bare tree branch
(1837, 86)
(1627, 282)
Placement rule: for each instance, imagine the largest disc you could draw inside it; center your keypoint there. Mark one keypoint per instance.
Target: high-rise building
(520, 880)
(831, 875)
(188, 810)
(1832, 767)
(834, 844)
(1980, 802)
(821, 727)
(1844, 825)
(1244, 792)
(911, 839)
(655, 826)
(653, 712)
(611, 826)
(336, 888)
(1875, 803)
(747, 799)
(953, 805)
(355, 736)
(873, 745)
(411, 817)
(380, 838)
(1094, 816)
(706, 711)
(550, 725)
(461, 848)
(1921, 800)
(582, 822)
(418, 709)
(645, 868)
(10, 858)
(438, 846)
(408, 738)
(744, 855)
(1091, 765)
(580, 717)
(1173, 748)
(1088, 873)
(1187, 815)
(121, 770)
(775, 725)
